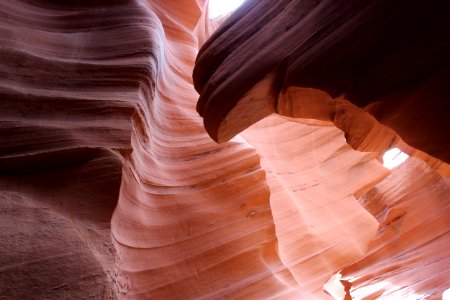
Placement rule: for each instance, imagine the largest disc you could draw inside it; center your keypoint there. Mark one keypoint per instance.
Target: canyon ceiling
(149, 152)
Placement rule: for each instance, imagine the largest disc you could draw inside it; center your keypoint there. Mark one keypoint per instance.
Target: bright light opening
(218, 8)
(393, 158)
(446, 294)
(334, 287)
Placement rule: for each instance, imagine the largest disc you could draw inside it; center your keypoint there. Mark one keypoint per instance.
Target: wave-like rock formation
(111, 186)
(389, 58)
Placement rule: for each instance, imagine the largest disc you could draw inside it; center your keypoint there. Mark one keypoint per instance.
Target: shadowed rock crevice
(388, 58)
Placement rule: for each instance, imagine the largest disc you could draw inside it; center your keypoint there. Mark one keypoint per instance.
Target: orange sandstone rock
(111, 187)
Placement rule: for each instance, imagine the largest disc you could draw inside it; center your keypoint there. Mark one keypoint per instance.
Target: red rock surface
(111, 187)
(387, 57)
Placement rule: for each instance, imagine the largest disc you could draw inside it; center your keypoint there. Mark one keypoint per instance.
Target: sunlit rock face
(112, 187)
(408, 259)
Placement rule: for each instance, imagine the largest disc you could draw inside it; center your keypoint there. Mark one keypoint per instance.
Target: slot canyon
(151, 151)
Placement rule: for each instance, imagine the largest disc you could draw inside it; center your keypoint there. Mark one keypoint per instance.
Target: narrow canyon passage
(150, 151)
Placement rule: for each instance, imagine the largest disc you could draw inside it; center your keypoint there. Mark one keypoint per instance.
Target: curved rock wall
(377, 71)
(119, 192)
(193, 218)
(408, 259)
(389, 58)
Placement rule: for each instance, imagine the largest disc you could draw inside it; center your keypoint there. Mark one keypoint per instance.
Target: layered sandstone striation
(388, 58)
(111, 186)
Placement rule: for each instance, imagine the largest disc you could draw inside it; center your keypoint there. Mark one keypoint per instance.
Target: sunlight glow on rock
(334, 287)
(218, 8)
(393, 158)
